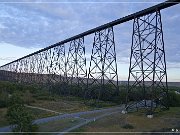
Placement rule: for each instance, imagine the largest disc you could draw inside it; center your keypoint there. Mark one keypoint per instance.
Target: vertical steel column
(40, 73)
(61, 63)
(8, 72)
(52, 65)
(12, 70)
(35, 73)
(147, 72)
(20, 70)
(61, 69)
(26, 70)
(55, 65)
(16, 71)
(32, 70)
(102, 77)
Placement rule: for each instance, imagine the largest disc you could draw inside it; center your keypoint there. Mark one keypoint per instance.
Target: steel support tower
(147, 81)
(55, 71)
(103, 67)
(76, 73)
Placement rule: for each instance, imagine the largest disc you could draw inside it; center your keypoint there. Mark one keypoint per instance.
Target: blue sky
(29, 25)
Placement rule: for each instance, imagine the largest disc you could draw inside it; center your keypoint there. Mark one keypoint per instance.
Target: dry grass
(3, 120)
(164, 121)
(95, 114)
(37, 113)
(62, 106)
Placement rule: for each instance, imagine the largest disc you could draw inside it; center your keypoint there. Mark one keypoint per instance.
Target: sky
(29, 25)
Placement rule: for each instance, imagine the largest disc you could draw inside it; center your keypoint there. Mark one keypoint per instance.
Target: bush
(3, 99)
(18, 115)
(174, 99)
(2, 103)
(128, 126)
(15, 99)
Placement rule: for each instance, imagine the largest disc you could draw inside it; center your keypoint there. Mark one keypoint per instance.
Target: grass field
(36, 113)
(3, 121)
(162, 121)
(135, 122)
(56, 103)
(59, 125)
(62, 106)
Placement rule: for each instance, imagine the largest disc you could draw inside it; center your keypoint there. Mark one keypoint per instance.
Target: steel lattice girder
(147, 63)
(103, 66)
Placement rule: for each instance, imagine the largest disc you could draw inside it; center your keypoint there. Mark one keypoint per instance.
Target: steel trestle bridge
(147, 70)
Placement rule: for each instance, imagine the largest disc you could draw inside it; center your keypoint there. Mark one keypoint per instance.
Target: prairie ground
(163, 121)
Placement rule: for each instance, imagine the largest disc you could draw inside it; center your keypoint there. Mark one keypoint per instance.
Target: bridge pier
(147, 71)
(76, 73)
(102, 75)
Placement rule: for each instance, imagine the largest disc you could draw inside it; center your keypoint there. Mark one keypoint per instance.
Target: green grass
(60, 104)
(36, 113)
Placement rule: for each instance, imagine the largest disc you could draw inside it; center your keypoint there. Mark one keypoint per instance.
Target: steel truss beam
(147, 65)
(103, 67)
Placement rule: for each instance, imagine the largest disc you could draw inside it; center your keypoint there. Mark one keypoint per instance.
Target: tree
(19, 116)
(3, 98)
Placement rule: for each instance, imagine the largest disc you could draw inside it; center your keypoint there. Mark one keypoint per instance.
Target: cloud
(173, 65)
(10, 52)
(41, 25)
(7, 58)
(31, 28)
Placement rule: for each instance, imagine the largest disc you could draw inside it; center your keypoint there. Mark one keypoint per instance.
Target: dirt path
(44, 109)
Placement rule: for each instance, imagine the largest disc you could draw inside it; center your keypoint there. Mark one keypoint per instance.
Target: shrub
(3, 99)
(128, 126)
(174, 99)
(18, 115)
